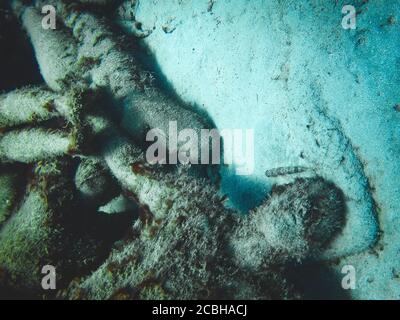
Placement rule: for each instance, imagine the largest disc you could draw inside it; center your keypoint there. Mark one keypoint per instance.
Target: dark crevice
(18, 66)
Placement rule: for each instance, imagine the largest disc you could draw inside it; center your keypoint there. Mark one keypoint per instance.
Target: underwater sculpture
(185, 244)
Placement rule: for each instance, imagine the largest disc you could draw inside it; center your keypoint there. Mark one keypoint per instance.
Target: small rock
(391, 20)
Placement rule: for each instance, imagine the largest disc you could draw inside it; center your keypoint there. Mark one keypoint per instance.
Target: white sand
(316, 95)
